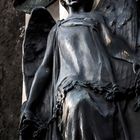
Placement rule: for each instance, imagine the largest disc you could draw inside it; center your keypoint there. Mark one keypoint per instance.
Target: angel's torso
(81, 53)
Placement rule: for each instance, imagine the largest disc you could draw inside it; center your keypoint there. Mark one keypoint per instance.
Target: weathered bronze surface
(122, 18)
(88, 84)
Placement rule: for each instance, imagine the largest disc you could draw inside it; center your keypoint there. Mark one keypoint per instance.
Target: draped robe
(86, 71)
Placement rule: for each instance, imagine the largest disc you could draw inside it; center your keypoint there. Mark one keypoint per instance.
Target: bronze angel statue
(82, 74)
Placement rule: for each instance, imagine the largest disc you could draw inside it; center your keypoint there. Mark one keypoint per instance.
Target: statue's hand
(29, 125)
(27, 128)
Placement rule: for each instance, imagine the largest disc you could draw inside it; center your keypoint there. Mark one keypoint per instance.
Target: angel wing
(34, 45)
(121, 18)
(28, 5)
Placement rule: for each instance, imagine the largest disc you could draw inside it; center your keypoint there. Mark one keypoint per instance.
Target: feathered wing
(34, 45)
(121, 18)
(28, 5)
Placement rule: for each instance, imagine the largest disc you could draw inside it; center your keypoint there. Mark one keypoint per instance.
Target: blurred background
(11, 35)
(12, 26)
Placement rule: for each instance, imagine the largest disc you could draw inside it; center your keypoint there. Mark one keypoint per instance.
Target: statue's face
(87, 4)
(80, 1)
(70, 1)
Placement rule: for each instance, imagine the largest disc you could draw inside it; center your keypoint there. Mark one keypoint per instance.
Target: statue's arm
(42, 77)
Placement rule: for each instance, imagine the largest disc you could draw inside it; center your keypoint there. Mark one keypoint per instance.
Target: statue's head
(86, 4)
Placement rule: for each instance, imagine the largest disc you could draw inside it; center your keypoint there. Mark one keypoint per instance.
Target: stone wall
(10, 70)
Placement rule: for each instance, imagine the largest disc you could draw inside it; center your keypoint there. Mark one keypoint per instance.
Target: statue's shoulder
(56, 26)
(98, 16)
(54, 29)
(90, 18)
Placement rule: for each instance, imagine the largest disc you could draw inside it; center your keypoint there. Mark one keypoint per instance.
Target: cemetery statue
(88, 85)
